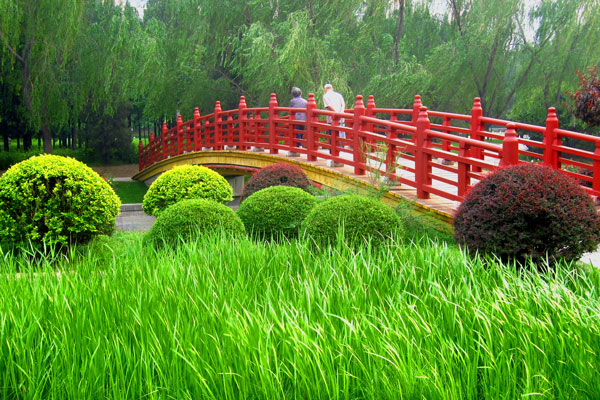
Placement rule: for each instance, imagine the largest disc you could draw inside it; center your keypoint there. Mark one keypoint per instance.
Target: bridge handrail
(418, 141)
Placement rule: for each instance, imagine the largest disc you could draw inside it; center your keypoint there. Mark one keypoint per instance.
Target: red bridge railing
(412, 140)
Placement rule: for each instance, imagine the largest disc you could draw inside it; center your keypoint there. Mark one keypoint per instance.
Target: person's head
(327, 87)
(296, 92)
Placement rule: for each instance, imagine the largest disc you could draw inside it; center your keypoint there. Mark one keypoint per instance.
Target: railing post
(510, 147)
(228, 137)
(390, 156)
(218, 127)
(416, 109)
(242, 123)
(273, 125)
(179, 135)
(335, 136)
(475, 128)
(464, 180)
(370, 112)
(357, 125)
(197, 130)
(596, 169)
(551, 139)
(311, 118)
(422, 157)
(165, 140)
(292, 134)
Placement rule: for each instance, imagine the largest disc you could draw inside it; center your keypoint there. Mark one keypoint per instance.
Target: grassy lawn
(222, 318)
(130, 192)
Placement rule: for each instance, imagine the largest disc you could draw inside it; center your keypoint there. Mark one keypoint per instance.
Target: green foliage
(186, 182)
(54, 200)
(130, 192)
(108, 137)
(418, 225)
(189, 219)
(528, 211)
(275, 211)
(359, 218)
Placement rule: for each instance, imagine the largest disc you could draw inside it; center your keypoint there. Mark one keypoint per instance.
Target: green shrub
(54, 200)
(360, 218)
(187, 218)
(528, 211)
(277, 210)
(280, 174)
(186, 182)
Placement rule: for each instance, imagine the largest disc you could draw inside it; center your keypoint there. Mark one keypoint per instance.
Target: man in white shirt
(334, 101)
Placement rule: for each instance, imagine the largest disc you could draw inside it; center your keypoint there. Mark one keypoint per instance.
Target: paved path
(133, 219)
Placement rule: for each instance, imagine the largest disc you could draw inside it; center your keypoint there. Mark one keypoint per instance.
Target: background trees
(67, 65)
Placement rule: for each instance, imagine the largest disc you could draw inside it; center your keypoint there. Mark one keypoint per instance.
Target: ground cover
(130, 192)
(222, 318)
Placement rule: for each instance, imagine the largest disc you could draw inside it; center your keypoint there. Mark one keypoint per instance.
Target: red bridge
(434, 153)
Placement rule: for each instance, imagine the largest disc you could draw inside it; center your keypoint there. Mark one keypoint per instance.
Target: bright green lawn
(229, 319)
(130, 192)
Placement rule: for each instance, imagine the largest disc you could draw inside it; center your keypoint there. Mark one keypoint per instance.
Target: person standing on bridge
(298, 102)
(334, 101)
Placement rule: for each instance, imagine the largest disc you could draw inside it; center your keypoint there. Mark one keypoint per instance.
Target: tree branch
(12, 51)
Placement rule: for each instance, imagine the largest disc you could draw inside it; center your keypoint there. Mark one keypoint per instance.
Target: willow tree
(38, 36)
(575, 31)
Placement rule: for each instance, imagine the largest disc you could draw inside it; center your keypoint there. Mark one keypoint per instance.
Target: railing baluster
(422, 157)
(217, 127)
(476, 127)
(179, 134)
(165, 140)
(242, 124)
(463, 169)
(357, 125)
(272, 125)
(551, 139)
(510, 147)
(311, 118)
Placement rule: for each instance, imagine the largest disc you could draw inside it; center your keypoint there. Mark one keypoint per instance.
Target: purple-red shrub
(280, 174)
(587, 97)
(528, 211)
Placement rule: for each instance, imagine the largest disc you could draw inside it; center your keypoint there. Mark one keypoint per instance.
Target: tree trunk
(27, 136)
(73, 136)
(47, 137)
(399, 29)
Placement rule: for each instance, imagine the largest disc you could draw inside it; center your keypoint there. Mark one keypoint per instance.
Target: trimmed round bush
(360, 218)
(280, 174)
(188, 218)
(186, 182)
(54, 200)
(277, 210)
(528, 211)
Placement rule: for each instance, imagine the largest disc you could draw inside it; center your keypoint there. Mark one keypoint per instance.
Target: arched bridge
(432, 157)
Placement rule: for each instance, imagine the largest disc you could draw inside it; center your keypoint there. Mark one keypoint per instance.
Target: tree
(39, 36)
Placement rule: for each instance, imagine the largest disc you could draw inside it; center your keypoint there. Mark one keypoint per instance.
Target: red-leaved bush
(528, 211)
(280, 174)
(587, 97)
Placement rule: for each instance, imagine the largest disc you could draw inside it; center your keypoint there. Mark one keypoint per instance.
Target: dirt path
(117, 171)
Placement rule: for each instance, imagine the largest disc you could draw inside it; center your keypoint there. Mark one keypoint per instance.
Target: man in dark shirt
(298, 102)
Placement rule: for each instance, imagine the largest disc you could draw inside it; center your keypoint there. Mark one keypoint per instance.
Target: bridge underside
(231, 162)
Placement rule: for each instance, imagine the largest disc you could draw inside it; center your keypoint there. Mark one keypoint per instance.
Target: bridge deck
(439, 204)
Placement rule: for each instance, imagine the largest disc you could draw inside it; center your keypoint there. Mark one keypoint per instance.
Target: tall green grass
(229, 319)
